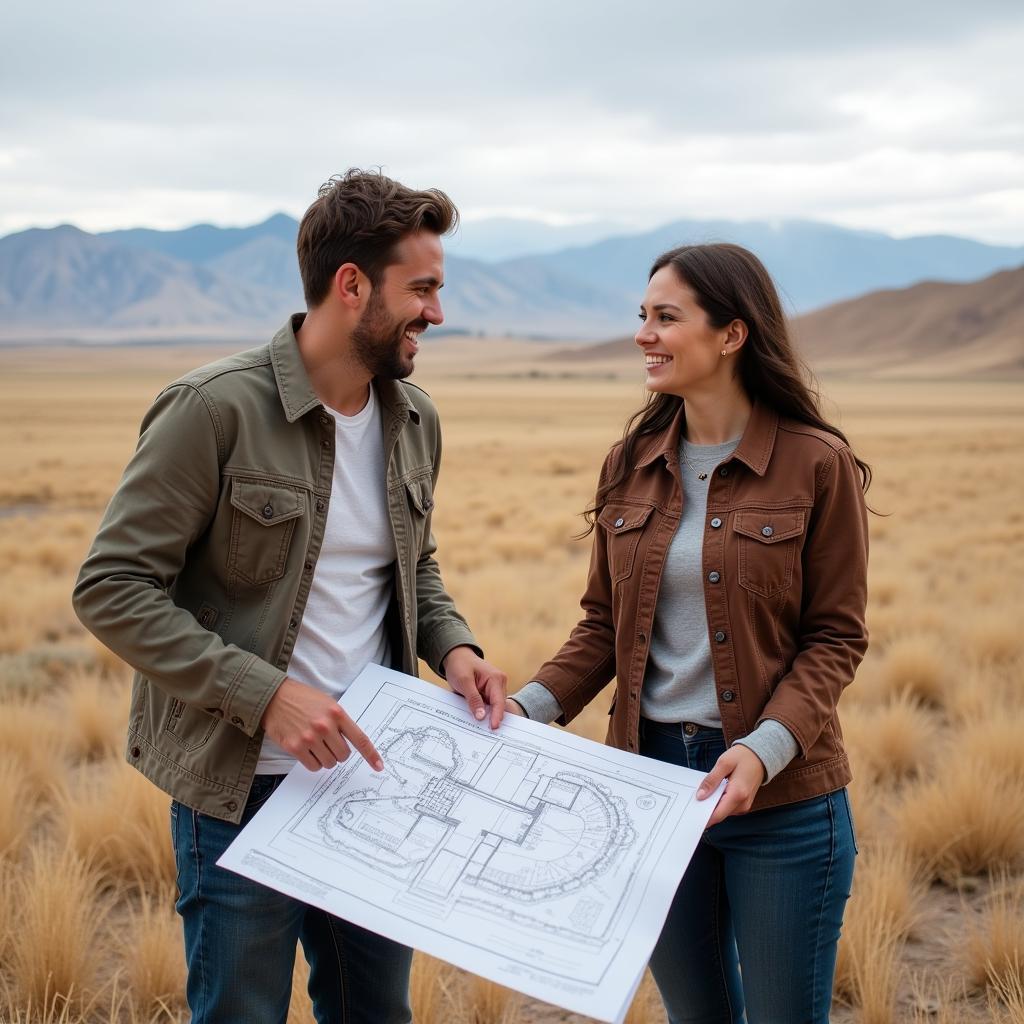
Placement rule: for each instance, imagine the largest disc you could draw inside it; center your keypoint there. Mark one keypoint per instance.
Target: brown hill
(927, 330)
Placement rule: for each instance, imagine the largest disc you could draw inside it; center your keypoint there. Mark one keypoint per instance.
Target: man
(270, 537)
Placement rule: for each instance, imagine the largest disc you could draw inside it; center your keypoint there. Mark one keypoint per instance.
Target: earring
(723, 352)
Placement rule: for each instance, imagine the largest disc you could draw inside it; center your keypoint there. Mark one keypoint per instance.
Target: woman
(726, 595)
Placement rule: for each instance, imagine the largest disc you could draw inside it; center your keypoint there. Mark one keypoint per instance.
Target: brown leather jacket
(785, 566)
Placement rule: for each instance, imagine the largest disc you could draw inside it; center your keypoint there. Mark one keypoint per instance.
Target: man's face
(401, 307)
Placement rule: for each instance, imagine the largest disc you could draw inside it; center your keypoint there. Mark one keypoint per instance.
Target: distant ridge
(242, 282)
(928, 330)
(931, 329)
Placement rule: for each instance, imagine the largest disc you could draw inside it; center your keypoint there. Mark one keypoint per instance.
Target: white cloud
(893, 116)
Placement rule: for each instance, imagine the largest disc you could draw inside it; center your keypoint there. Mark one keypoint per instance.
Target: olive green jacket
(202, 565)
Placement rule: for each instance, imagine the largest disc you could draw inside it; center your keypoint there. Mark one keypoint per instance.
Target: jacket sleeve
(833, 635)
(586, 661)
(439, 626)
(162, 506)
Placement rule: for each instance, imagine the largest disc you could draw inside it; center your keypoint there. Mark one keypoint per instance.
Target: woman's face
(682, 351)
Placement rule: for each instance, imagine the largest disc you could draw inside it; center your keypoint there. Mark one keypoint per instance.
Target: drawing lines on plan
(467, 821)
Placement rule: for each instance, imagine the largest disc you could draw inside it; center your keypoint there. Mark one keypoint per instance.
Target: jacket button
(235, 720)
(720, 637)
(268, 511)
(325, 420)
(135, 752)
(724, 471)
(293, 623)
(619, 522)
(766, 531)
(714, 577)
(326, 442)
(320, 504)
(727, 696)
(308, 567)
(716, 523)
(231, 805)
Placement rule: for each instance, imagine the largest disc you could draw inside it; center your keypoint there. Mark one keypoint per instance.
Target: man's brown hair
(357, 217)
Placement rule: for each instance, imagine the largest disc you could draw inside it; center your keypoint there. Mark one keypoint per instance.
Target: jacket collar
(296, 392)
(754, 449)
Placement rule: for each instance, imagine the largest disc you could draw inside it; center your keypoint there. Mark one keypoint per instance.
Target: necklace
(701, 474)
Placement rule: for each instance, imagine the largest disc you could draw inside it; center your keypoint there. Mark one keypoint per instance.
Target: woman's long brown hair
(730, 283)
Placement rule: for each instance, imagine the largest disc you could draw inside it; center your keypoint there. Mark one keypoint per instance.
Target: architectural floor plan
(526, 854)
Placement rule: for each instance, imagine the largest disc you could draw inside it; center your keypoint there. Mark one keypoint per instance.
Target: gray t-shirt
(679, 683)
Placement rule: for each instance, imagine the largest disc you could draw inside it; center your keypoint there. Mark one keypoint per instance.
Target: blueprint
(527, 855)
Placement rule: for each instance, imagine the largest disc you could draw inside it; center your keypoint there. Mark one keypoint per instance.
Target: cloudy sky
(905, 116)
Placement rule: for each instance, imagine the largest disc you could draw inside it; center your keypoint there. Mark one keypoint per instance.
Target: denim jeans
(752, 932)
(240, 940)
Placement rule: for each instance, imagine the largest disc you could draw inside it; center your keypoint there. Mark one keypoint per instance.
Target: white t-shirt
(342, 628)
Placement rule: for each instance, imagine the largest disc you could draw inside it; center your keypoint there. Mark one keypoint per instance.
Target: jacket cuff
(539, 704)
(434, 647)
(249, 694)
(774, 745)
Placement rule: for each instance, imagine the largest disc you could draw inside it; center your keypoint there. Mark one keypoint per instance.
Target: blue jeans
(752, 932)
(240, 940)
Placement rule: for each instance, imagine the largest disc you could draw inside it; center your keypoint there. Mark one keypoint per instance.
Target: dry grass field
(935, 720)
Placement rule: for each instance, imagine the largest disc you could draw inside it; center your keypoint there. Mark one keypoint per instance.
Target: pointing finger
(362, 743)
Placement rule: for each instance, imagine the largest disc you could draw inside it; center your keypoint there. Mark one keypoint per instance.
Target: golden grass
(994, 945)
(94, 711)
(941, 1004)
(967, 819)
(916, 667)
(57, 923)
(33, 738)
(15, 807)
(896, 740)
(885, 904)
(153, 956)
(119, 822)
(479, 1001)
(933, 721)
(996, 739)
(646, 1007)
(431, 986)
(300, 1006)
(1007, 996)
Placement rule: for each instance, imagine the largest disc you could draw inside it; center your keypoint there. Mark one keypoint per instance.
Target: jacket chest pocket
(261, 529)
(767, 544)
(623, 526)
(419, 494)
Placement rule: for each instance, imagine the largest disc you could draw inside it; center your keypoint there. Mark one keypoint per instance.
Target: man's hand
(306, 723)
(745, 772)
(478, 681)
(513, 707)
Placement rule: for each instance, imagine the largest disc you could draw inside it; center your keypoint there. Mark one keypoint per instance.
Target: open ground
(935, 928)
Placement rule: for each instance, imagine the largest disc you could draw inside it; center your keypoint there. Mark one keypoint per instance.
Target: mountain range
(924, 331)
(210, 282)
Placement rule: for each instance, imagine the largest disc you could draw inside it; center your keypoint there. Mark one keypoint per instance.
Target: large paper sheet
(529, 856)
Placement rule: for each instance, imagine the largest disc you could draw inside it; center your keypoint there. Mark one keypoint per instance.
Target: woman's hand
(745, 772)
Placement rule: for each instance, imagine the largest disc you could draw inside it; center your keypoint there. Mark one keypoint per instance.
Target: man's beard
(377, 341)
